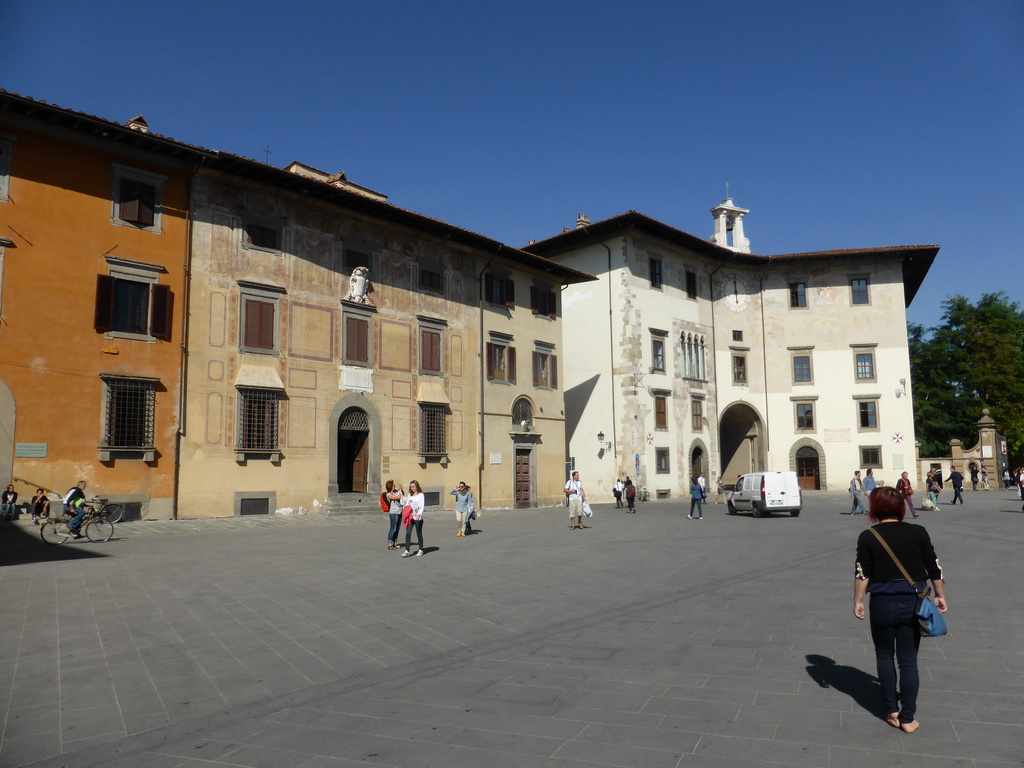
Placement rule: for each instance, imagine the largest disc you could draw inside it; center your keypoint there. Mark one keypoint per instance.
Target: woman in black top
(894, 627)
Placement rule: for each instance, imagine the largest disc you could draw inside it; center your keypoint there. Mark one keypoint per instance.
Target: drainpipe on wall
(764, 364)
(179, 433)
(483, 377)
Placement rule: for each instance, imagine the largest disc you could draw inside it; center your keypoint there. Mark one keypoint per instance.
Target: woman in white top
(416, 501)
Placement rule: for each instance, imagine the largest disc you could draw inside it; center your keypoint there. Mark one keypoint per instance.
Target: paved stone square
(645, 640)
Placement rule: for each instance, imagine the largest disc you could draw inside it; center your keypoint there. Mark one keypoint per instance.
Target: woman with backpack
(391, 502)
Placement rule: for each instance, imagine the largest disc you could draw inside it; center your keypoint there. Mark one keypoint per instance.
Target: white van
(762, 493)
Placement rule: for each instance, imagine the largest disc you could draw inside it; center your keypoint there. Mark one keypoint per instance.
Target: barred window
(522, 412)
(433, 440)
(129, 418)
(257, 419)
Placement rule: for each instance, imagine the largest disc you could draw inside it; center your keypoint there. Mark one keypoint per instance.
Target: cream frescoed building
(336, 341)
(691, 356)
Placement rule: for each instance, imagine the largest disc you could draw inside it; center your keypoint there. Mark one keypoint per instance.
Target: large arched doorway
(353, 451)
(698, 461)
(742, 441)
(807, 459)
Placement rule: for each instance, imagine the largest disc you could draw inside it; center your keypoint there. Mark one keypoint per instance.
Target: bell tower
(729, 218)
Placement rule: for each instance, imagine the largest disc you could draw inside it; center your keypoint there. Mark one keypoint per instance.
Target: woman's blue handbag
(929, 619)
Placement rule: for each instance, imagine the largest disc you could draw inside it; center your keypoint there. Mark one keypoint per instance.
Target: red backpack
(385, 505)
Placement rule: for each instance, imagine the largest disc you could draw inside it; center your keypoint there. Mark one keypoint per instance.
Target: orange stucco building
(93, 247)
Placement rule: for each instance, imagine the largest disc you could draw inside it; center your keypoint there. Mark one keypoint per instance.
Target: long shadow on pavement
(855, 683)
(19, 546)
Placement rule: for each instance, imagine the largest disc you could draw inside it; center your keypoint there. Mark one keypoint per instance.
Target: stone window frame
(659, 338)
(861, 401)
(656, 272)
(855, 290)
(866, 461)
(499, 288)
(739, 365)
(503, 342)
(798, 293)
(135, 272)
(357, 313)
(128, 173)
(662, 461)
(661, 410)
(697, 414)
(431, 326)
(691, 283)
(249, 291)
(265, 223)
(807, 405)
(799, 353)
(545, 365)
(869, 350)
(145, 452)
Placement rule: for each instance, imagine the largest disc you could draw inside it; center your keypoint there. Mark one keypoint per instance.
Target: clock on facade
(735, 292)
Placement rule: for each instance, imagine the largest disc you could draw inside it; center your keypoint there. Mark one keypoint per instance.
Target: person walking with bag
(907, 491)
(617, 492)
(697, 496)
(416, 503)
(895, 630)
(857, 494)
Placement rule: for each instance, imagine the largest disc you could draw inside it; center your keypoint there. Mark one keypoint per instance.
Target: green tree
(973, 360)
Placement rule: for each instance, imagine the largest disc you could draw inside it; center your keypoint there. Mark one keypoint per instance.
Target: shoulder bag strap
(896, 560)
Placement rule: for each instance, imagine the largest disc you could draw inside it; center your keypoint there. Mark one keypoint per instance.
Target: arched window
(522, 414)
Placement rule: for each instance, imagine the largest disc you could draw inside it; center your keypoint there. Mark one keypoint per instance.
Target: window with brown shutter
(430, 350)
(357, 340)
(132, 307)
(161, 301)
(660, 412)
(501, 363)
(259, 325)
(137, 203)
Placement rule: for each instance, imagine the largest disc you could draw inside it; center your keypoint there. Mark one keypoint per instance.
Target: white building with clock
(689, 355)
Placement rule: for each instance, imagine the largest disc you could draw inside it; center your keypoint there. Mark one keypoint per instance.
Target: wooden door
(523, 498)
(807, 470)
(359, 463)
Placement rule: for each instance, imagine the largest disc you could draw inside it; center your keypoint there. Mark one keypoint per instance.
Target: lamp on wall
(601, 441)
(901, 390)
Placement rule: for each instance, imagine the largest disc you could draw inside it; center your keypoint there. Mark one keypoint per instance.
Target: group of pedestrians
(623, 489)
(407, 508)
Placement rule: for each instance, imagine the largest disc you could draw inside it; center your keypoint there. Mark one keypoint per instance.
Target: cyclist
(73, 503)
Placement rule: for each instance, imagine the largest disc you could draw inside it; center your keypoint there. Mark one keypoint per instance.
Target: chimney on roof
(138, 123)
(729, 218)
(582, 221)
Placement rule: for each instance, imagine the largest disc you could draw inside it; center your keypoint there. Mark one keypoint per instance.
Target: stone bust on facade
(359, 286)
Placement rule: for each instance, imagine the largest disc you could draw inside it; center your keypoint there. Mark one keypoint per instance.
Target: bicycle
(96, 526)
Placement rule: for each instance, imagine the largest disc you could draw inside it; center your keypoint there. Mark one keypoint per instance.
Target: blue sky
(839, 125)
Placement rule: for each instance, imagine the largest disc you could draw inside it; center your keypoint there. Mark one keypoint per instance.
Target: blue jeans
(416, 525)
(396, 521)
(76, 521)
(696, 501)
(858, 501)
(894, 629)
(10, 511)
